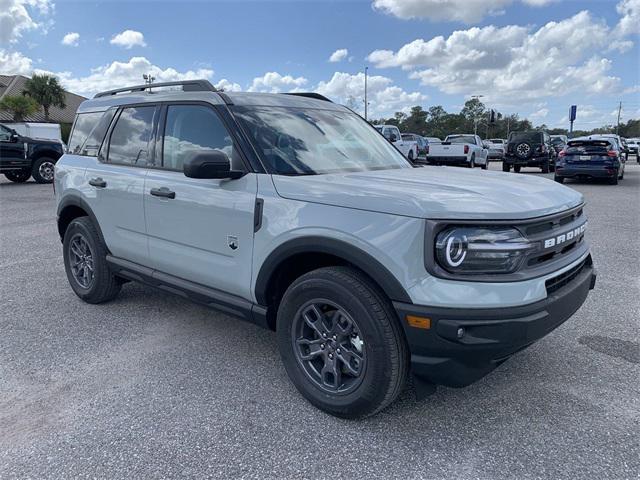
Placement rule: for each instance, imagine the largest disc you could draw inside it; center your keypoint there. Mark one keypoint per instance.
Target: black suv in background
(529, 149)
(24, 157)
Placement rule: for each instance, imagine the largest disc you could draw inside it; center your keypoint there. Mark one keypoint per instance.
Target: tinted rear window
(588, 147)
(85, 123)
(525, 136)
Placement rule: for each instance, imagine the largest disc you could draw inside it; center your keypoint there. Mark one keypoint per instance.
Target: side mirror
(210, 164)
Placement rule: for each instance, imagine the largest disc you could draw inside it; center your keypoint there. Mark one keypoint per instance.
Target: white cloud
(120, 74)
(14, 63)
(629, 11)
(273, 82)
(16, 17)
(384, 97)
(228, 86)
(539, 115)
(71, 39)
(512, 63)
(128, 39)
(339, 55)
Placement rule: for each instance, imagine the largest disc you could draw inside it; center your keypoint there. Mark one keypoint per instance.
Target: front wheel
(341, 343)
(42, 170)
(18, 176)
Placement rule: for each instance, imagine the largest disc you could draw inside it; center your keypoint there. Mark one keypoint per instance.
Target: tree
(416, 122)
(47, 91)
(19, 105)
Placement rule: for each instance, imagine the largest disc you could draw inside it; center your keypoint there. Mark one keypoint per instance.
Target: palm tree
(19, 105)
(47, 91)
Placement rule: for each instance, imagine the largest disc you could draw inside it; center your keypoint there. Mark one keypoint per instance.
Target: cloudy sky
(533, 57)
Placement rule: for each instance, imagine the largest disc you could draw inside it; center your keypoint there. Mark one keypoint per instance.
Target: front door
(200, 230)
(11, 150)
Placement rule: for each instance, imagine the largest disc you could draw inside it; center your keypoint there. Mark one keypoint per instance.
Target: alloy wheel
(81, 261)
(328, 345)
(46, 171)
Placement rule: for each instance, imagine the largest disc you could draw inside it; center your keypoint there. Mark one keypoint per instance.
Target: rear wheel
(506, 167)
(42, 170)
(411, 155)
(86, 264)
(558, 179)
(517, 168)
(614, 179)
(341, 343)
(18, 176)
(472, 162)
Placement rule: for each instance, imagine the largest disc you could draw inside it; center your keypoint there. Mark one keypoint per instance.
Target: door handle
(163, 192)
(97, 182)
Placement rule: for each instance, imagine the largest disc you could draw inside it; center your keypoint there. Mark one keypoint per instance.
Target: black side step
(217, 299)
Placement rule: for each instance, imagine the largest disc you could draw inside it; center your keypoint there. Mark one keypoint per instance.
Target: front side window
(192, 128)
(5, 134)
(131, 135)
(305, 141)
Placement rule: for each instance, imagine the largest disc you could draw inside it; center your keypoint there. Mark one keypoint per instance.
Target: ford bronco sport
(292, 212)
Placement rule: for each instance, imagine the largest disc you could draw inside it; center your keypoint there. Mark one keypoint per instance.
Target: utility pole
(619, 113)
(475, 119)
(366, 101)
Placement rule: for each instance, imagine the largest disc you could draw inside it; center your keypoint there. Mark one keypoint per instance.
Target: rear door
(116, 181)
(200, 230)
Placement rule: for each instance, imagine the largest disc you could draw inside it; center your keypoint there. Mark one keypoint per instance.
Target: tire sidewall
(75, 227)
(377, 366)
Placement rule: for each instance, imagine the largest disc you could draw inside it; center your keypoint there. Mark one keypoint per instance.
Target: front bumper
(463, 345)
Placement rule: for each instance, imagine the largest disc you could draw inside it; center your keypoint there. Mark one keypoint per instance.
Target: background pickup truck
(465, 150)
(409, 148)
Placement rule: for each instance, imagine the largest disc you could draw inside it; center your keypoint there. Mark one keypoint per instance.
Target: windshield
(461, 139)
(304, 141)
(557, 141)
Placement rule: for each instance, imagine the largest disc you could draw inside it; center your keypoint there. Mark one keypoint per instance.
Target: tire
(18, 176)
(103, 285)
(506, 167)
(472, 162)
(383, 350)
(614, 180)
(410, 156)
(485, 165)
(558, 179)
(621, 177)
(42, 170)
(523, 150)
(545, 167)
(517, 168)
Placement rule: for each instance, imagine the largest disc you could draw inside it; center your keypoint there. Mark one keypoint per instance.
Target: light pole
(475, 119)
(366, 101)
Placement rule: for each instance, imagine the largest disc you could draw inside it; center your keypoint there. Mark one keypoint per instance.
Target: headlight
(479, 250)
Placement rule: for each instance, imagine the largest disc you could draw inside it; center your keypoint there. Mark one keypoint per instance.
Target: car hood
(434, 192)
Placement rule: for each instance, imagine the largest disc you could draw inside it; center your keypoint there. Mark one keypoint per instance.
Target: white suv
(292, 212)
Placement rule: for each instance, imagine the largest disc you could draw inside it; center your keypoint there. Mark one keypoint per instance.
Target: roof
(14, 85)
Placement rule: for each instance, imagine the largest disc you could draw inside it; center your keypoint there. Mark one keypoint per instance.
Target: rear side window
(85, 123)
(129, 143)
(192, 128)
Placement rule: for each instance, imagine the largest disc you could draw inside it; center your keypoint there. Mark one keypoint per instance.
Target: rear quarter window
(88, 132)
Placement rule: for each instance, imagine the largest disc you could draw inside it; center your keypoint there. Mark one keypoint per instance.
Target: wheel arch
(298, 256)
(72, 207)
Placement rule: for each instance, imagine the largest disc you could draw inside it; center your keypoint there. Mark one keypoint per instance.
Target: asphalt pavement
(151, 386)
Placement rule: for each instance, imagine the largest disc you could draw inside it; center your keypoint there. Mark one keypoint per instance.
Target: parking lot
(151, 386)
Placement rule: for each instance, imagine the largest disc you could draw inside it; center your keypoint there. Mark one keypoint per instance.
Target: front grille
(556, 283)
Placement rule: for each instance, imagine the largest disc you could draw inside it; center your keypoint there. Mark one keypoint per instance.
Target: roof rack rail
(315, 95)
(187, 86)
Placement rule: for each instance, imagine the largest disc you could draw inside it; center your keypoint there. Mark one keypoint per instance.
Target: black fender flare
(77, 201)
(316, 244)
